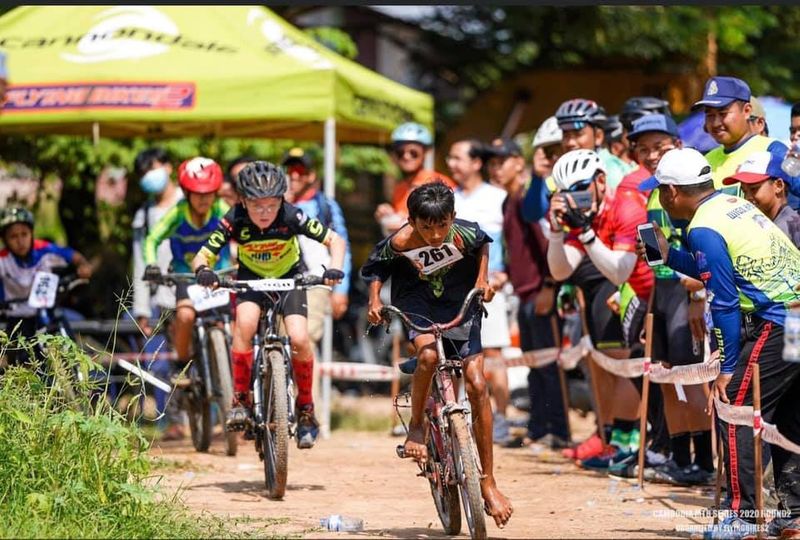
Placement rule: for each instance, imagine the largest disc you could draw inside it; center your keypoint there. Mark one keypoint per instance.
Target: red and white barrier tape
(746, 416)
(351, 371)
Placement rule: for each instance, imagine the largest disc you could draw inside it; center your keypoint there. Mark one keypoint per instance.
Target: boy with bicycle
(434, 260)
(265, 227)
(187, 226)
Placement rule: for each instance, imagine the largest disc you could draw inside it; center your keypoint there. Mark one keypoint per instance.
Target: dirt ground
(357, 474)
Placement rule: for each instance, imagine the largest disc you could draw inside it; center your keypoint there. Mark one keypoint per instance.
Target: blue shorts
(460, 348)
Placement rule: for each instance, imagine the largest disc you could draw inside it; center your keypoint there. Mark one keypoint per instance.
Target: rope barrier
(746, 416)
(351, 371)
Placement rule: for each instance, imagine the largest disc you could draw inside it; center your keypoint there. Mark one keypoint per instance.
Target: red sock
(304, 377)
(242, 365)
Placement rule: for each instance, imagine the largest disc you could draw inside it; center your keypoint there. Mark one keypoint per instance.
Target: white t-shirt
(484, 206)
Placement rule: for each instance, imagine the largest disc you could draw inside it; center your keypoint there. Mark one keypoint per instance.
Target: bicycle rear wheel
(275, 435)
(221, 375)
(445, 496)
(468, 475)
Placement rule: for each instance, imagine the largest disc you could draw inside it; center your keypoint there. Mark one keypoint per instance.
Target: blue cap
(653, 122)
(759, 166)
(721, 91)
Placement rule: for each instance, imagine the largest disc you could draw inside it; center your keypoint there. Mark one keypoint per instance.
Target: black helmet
(577, 113)
(9, 216)
(613, 128)
(636, 107)
(261, 179)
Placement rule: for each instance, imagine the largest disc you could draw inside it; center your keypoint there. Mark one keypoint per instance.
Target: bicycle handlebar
(274, 285)
(387, 311)
(173, 278)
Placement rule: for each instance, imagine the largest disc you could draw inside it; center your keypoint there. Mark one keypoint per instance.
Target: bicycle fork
(204, 361)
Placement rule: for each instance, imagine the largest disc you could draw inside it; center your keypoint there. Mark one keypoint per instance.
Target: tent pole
(96, 133)
(327, 336)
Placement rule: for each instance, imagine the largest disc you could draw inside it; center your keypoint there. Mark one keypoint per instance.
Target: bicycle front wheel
(468, 475)
(275, 435)
(221, 374)
(445, 496)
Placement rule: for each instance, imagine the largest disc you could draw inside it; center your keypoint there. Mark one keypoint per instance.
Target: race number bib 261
(430, 259)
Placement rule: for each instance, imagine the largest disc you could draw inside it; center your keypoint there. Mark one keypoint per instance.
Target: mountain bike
(210, 374)
(48, 291)
(274, 420)
(452, 467)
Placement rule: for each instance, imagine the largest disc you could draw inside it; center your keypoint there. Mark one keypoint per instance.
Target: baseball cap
(721, 91)
(679, 167)
(758, 166)
(653, 122)
(758, 109)
(503, 147)
(298, 155)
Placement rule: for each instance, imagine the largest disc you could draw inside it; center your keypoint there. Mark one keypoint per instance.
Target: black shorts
(293, 302)
(605, 328)
(181, 291)
(672, 338)
(632, 325)
(460, 348)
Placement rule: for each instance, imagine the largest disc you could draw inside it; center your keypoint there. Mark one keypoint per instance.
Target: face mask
(154, 181)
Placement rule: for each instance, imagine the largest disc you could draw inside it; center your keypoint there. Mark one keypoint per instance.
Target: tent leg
(330, 158)
(327, 335)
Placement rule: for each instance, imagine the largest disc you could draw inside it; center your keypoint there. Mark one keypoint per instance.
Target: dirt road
(358, 474)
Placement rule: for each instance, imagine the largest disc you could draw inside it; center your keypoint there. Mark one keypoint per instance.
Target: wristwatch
(698, 296)
(587, 237)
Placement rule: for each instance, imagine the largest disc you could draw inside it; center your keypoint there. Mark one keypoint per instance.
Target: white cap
(679, 167)
(548, 133)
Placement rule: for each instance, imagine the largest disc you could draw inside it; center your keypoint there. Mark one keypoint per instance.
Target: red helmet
(200, 175)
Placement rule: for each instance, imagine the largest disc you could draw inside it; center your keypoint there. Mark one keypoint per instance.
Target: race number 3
(43, 290)
(430, 259)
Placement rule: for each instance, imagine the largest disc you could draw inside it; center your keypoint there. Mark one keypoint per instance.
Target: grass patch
(70, 468)
(349, 417)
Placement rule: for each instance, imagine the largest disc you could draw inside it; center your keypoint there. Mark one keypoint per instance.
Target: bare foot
(414, 446)
(495, 503)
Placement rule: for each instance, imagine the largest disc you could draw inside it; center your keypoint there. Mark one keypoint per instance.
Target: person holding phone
(678, 310)
(752, 273)
(593, 247)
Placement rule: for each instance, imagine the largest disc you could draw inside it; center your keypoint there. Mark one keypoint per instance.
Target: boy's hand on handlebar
(152, 273)
(374, 315)
(488, 290)
(207, 277)
(332, 276)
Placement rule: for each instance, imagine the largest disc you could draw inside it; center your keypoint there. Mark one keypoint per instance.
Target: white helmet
(548, 133)
(576, 166)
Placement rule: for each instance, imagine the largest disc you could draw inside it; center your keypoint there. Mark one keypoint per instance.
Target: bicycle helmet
(14, 215)
(412, 132)
(613, 128)
(547, 134)
(200, 175)
(636, 107)
(261, 179)
(578, 113)
(576, 166)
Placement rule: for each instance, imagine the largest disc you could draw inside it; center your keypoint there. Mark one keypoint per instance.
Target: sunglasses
(413, 153)
(583, 185)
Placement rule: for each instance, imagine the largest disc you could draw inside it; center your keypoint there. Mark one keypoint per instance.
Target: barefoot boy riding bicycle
(434, 260)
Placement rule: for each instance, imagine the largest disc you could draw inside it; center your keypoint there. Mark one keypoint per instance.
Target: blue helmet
(412, 132)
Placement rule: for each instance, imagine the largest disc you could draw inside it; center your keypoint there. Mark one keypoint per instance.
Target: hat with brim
(720, 92)
(758, 166)
(679, 167)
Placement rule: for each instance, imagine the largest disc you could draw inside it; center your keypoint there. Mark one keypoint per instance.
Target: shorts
(460, 348)
(319, 305)
(633, 323)
(495, 332)
(672, 338)
(605, 328)
(293, 302)
(181, 291)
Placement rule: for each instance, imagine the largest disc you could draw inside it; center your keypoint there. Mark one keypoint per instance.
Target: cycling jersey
(616, 169)
(185, 239)
(436, 295)
(747, 264)
(273, 252)
(16, 275)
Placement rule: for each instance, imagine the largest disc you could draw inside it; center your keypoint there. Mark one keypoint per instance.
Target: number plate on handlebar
(264, 285)
(429, 259)
(43, 290)
(204, 298)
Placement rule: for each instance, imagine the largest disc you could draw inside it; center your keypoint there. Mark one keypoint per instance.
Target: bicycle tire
(447, 500)
(198, 409)
(468, 474)
(275, 434)
(221, 375)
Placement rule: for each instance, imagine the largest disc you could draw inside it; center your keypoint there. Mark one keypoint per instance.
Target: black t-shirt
(433, 293)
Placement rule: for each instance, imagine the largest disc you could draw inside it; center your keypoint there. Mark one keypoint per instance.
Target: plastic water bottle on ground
(339, 523)
(791, 336)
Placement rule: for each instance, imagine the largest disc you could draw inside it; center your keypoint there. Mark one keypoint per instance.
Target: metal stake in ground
(648, 350)
(562, 379)
(757, 452)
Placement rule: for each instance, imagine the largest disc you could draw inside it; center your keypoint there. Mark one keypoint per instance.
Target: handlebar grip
(400, 451)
